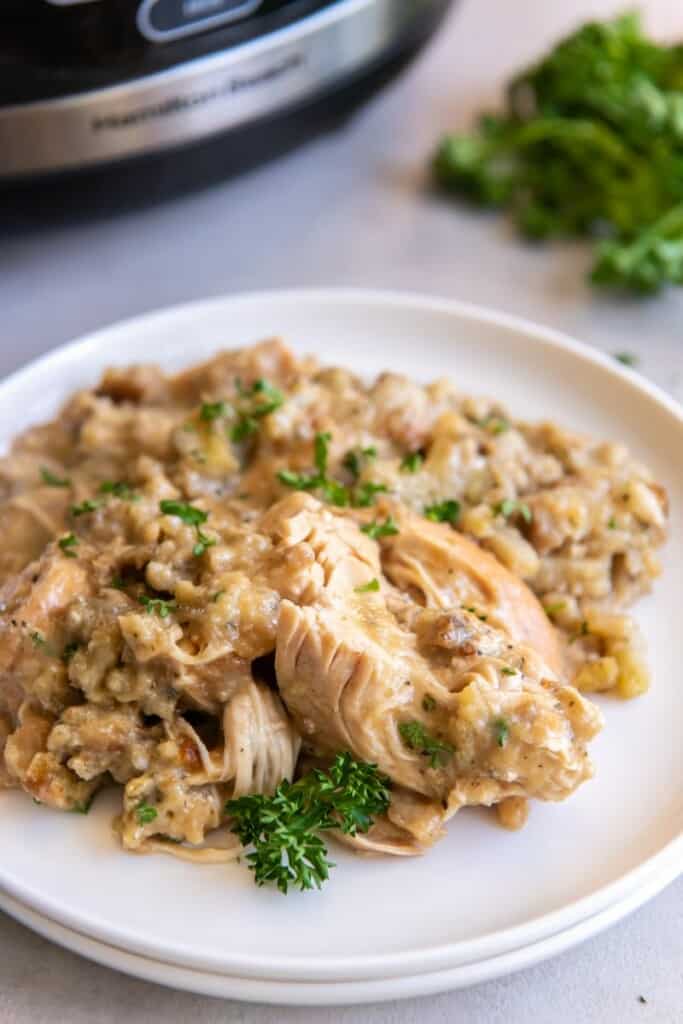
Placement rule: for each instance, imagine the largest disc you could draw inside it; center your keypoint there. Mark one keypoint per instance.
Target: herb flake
(444, 511)
(415, 736)
(368, 588)
(50, 478)
(377, 529)
(67, 544)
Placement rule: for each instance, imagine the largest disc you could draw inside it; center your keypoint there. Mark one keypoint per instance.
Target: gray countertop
(349, 207)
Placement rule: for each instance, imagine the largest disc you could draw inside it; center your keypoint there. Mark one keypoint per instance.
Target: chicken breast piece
(442, 569)
(457, 718)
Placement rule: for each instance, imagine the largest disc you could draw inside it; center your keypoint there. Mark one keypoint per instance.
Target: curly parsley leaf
(589, 145)
(283, 829)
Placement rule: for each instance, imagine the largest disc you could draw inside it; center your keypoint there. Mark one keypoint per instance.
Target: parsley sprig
(283, 829)
(588, 144)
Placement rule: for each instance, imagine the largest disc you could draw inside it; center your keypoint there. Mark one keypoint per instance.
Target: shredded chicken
(207, 577)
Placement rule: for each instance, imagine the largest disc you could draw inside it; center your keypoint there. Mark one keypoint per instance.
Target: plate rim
(326, 993)
(445, 953)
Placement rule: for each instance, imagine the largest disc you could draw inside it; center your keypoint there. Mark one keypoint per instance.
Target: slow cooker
(88, 82)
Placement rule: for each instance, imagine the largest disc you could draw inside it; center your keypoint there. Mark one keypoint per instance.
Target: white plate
(482, 892)
(330, 993)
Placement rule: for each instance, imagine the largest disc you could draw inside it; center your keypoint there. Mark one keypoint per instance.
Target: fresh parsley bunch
(590, 144)
(284, 829)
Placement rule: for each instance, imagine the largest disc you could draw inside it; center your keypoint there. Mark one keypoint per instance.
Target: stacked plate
(484, 901)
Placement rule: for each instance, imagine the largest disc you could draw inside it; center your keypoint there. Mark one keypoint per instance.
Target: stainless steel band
(204, 96)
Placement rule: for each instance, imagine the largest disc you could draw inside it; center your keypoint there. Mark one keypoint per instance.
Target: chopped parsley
(335, 493)
(507, 671)
(611, 523)
(553, 609)
(119, 489)
(355, 459)
(210, 411)
(145, 814)
(376, 529)
(189, 514)
(582, 631)
(162, 607)
(89, 505)
(321, 449)
(501, 731)
(510, 507)
(203, 542)
(444, 512)
(217, 596)
(38, 640)
(368, 588)
(254, 403)
(67, 544)
(364, 494)
(81, 806)
(118, 583)
(473, 610)
(361, 495)
(298, 481)
(494, 424)
(415, 736)
(626, 358)
(257, 401)
(193, 516)
(69, 651)
(52, 480)
(412, 462)
(428, 702)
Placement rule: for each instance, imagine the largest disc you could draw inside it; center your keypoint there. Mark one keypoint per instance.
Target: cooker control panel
(162, 21)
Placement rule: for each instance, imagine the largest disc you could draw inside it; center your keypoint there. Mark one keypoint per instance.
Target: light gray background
(348, 208)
